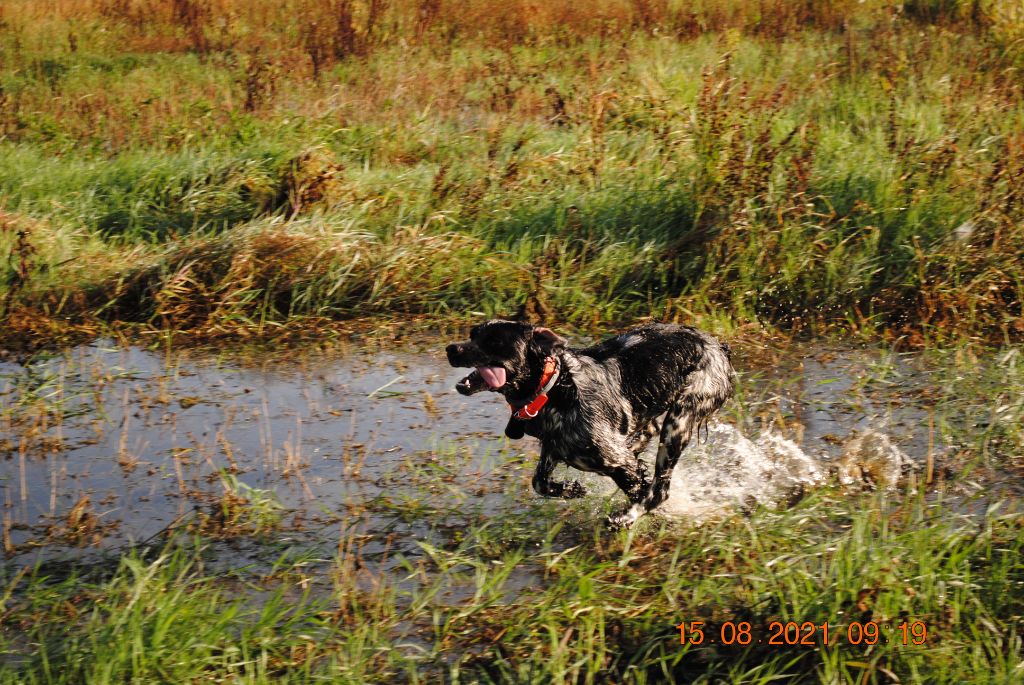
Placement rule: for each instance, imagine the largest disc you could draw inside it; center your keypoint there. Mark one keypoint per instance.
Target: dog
(597, 408)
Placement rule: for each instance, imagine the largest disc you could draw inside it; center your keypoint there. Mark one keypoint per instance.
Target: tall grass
(803, 165)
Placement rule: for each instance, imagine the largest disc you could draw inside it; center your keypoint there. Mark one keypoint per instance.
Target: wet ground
(102, 446)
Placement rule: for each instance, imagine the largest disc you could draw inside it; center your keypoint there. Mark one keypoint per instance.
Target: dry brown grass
(268, 58)
(248, 281)
(324, 31)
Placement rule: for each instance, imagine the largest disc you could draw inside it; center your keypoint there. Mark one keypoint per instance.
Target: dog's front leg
(632, 480)
(546, 487)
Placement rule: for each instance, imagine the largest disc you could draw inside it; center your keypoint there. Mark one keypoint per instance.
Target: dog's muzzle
(471, 384)
(484, 377)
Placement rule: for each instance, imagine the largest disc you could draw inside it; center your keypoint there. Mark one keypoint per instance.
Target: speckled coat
(607, 402)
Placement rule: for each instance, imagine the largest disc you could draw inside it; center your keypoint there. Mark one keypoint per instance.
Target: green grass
(815, 180)
(606, 609)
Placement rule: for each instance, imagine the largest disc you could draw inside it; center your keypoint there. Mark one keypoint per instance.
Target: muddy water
(103, 446)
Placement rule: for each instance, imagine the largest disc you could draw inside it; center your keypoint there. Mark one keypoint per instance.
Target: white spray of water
(730, 471)
(727, 471)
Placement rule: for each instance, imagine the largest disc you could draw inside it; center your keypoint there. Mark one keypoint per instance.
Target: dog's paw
(625, 518)
(574, 490)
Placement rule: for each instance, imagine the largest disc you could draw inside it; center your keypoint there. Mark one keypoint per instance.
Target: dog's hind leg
(685, 416)
(546, 487)
(706, 391)
(676, 430)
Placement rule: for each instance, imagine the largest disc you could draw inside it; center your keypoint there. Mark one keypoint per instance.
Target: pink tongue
(494, 375)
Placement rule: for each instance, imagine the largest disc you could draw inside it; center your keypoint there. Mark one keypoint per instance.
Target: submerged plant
(240, 510)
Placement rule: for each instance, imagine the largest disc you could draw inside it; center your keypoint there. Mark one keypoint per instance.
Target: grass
(825, 166)
(605, 610)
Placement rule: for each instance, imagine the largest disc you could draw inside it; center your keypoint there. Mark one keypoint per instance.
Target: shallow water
(145, 437)
(106, 446)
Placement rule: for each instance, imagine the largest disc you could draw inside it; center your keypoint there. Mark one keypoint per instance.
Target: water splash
(726, 472)
(729, 471)
(870, 458)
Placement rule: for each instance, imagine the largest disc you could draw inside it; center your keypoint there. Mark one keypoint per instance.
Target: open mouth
(483, 378)
(494, 376)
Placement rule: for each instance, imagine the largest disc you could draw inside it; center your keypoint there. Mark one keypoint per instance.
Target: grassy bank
(232, 167)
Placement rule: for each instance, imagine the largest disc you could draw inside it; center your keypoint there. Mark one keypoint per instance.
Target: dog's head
(508, 357)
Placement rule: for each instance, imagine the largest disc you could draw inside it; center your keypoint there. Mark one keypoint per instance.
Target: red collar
(547, 381)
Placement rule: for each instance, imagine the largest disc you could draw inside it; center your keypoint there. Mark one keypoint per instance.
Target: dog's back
(660, 364)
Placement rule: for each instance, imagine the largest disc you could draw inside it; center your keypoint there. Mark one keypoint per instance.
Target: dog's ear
(545, 340)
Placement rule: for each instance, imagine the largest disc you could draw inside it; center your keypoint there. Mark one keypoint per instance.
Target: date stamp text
(808, 634)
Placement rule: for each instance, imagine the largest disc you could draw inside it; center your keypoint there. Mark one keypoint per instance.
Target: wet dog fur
(607, 402)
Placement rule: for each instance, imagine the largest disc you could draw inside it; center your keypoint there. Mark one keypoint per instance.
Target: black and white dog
(596, 409)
